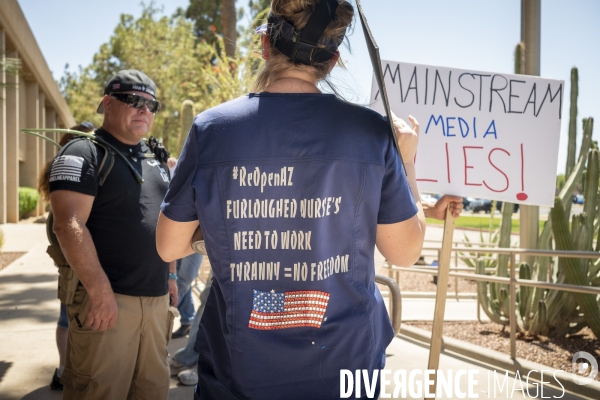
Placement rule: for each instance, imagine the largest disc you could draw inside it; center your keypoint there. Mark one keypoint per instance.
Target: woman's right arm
(401, 243)
(174, 239)
(178, 223)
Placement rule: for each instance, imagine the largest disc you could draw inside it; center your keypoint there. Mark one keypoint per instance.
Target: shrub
(28, 200)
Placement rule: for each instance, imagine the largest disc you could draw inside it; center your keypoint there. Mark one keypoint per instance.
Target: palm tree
(229, 19)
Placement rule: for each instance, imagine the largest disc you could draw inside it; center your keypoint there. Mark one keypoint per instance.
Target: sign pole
(378, 71)
(440, 299)
(445, 257)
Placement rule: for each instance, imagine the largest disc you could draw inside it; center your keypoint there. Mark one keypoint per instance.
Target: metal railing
(456, 267)
(395, 300)
(512, 280)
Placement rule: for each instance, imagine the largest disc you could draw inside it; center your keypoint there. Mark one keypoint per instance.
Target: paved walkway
(28, 313)
(29, 310)
(410, 356)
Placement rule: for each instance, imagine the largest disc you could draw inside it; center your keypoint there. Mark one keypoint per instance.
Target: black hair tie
(302, 46)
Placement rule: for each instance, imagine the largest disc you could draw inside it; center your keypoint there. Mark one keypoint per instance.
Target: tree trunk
(229, 19)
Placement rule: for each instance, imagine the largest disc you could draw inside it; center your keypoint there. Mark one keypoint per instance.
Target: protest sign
(483, 134)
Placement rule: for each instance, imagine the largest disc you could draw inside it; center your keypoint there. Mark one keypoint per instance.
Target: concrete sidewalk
(405, 354)
(29, 311)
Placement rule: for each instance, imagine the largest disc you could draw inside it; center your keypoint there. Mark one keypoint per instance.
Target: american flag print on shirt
(66, 168)
(272, 310)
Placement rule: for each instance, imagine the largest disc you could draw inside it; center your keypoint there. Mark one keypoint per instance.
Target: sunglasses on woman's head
(137, 101)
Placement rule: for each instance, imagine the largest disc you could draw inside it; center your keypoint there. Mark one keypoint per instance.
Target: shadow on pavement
(28, 279)
(19, 305)
(4, 366)
(43, 393)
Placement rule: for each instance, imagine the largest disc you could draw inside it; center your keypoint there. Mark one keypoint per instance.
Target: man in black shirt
(119, 321)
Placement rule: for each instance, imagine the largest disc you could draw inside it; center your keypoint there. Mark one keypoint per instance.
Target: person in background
(438, 210)
(62, 327)
(184, 361)
(187, 272)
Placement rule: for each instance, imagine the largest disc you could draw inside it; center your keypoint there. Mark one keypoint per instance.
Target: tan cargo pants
(128, 361)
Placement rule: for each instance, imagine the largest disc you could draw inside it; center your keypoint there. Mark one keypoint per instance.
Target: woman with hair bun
(291, 190)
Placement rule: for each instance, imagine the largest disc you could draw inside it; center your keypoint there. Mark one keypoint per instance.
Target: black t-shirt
(124, 214)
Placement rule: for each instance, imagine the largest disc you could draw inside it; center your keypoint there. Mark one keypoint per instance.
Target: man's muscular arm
(71, 211)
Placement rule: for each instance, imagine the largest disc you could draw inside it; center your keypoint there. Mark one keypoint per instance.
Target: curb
(503, 361)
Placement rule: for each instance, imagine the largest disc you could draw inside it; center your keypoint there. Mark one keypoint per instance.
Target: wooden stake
(440, 299)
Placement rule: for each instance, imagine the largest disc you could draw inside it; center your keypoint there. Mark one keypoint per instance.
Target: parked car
(467, 201)
(478, 205)
(499, 206)
(578, 199)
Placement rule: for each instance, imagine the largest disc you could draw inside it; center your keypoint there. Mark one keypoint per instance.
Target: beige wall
(30, 99)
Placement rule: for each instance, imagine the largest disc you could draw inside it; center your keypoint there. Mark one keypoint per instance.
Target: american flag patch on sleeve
(66, 168)
(272, 310)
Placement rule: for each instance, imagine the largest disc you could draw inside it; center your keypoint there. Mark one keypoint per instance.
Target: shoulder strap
(105, 145)
(107, 162)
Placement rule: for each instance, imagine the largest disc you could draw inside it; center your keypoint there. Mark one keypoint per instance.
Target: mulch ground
(7, 258)
(416, 282)
(553, 352)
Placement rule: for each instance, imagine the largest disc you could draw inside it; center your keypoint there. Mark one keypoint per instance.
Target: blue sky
(469, 34)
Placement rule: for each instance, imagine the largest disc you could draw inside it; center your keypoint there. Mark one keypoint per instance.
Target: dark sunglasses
(137, 101)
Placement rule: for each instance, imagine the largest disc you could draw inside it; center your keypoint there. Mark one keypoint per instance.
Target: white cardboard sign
(482, 134)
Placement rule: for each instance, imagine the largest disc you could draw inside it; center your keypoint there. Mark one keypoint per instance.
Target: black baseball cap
(128, 80)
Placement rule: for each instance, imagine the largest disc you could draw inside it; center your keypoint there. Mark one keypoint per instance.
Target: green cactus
(186, 117)
(554, 312)
(574, 270)
(572, 122)
(560, 309)
(520, 59)
(572, 129)
(523, 298)
(490, 300)
(540, 319)
(500, 309)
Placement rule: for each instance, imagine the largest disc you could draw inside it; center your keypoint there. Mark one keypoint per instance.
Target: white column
(41, 146)
(3, 134)
(51, 123)
(30, 113)
(13, 137)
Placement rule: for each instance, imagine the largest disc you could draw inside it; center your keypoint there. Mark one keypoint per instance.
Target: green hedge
(28, 200)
